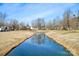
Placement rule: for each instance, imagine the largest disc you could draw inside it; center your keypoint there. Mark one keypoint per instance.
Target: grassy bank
(8, 40)
(68, 39)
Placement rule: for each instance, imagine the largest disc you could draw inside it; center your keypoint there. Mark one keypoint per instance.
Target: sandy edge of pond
(73, 49)
(13, 45)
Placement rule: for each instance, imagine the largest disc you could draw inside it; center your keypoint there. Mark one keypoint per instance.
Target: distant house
(4, 28)
(0, 29)
(32, 28)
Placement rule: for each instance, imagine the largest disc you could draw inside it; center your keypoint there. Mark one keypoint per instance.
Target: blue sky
(26, 12)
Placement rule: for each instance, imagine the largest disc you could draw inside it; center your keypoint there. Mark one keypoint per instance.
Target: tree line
(13, 24)
(69, 21)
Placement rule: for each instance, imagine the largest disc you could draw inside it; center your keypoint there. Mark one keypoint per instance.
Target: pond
(39, 45)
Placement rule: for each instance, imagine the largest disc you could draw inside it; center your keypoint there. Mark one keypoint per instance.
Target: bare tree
(66, 19)
(49, 24)
(22, 26)
(2, 19)
(34, 24)
(38, 23)
(78, 20)
(14, 25)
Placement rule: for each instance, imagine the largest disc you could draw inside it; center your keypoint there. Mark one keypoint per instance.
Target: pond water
(39, 45)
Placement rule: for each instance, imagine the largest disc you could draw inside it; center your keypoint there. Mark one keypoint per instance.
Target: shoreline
(17, 40)
(18, 44)
(68, 46)
(7, 49)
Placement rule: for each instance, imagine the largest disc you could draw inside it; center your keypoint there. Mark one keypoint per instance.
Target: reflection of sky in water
(39, 44)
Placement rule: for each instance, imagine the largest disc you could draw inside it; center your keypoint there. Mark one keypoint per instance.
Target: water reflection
(39, 38)
(39, 45)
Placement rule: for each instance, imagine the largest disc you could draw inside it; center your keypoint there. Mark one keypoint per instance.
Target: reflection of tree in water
(39, 38)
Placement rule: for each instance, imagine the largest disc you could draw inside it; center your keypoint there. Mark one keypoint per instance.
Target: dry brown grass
(69, 40)
(8, 40)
